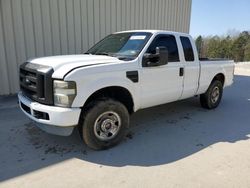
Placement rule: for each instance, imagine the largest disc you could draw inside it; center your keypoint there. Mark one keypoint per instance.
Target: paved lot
(174, 145)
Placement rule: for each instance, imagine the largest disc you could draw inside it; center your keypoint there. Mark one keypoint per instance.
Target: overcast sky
(217, 17)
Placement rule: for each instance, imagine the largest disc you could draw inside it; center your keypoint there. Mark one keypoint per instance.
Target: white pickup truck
(126, 71)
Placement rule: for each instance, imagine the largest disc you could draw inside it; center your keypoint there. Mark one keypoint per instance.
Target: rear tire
(211, 99)
(104, 123)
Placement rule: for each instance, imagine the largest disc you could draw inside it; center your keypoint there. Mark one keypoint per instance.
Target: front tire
(211, 99)
(104, 123)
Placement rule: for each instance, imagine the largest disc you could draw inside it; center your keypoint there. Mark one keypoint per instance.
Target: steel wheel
(107, 125)
(215, 94)
(211, 99)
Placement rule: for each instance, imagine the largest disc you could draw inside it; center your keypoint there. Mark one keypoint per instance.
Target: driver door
(162, 84)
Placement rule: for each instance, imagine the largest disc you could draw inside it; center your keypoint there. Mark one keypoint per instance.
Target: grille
(25, 108)
(36, 82)
(28, 83)
(36, 114)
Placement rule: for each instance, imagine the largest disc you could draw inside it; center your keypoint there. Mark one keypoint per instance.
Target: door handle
(181, 72)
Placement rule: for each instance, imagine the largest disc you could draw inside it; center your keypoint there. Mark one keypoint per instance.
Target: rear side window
(169, 42)
(187, 48)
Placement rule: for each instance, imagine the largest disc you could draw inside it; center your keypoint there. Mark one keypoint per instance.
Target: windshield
(124, 45)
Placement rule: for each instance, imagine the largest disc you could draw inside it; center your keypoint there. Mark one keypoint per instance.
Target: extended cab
(124, 72)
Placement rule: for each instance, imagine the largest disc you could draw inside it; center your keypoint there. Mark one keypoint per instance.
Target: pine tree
(199, 45)
(247, 52)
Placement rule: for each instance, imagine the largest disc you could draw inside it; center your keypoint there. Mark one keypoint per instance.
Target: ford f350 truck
(126, 71)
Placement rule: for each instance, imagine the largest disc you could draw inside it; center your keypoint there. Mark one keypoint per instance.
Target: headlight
(64, 93)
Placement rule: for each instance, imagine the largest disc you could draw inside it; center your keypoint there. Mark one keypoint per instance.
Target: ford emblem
(27, 81)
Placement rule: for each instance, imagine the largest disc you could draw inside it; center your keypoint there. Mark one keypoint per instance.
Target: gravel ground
(173, 145)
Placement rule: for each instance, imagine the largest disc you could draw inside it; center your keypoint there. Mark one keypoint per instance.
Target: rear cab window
(187, 48)
(167, 41)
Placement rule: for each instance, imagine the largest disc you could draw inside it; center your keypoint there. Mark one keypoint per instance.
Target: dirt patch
(130, 135)
(49, 144)
(172, 122)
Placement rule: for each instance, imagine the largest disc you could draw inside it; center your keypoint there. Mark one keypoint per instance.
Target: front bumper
(52, 119)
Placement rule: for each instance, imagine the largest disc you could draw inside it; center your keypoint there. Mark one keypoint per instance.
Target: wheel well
(115, 92)
(219, 77)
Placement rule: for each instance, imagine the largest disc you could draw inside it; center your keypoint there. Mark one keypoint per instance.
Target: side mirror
(157, 59)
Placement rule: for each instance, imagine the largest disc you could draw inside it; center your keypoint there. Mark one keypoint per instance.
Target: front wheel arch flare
(118, 93)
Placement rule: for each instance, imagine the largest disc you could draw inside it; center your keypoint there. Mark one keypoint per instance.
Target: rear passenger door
(191, 68)
(162, 84)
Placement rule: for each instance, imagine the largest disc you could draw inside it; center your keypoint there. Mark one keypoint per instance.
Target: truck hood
(70, 62)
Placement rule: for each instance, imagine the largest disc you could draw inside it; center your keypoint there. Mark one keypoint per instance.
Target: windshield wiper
(103, 53)
(124, 58)
(114, 55)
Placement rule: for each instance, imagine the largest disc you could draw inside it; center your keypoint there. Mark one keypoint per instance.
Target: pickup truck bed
(210, 67)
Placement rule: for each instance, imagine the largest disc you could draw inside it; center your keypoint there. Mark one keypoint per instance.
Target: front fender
(88, 85)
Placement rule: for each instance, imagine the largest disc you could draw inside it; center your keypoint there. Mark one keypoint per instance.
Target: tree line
(236, 47)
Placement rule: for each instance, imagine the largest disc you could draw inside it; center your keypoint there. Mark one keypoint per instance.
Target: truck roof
(155, 32)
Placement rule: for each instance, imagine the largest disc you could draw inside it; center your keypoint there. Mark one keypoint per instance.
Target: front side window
(167, 41)
(121, 44)
(187, 49)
